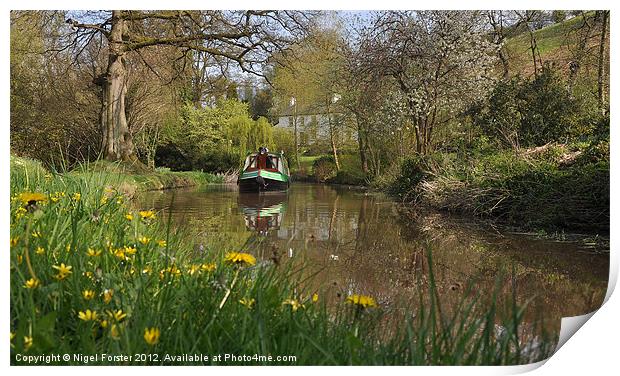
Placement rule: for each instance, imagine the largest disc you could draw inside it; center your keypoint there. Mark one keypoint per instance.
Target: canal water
(357, 242)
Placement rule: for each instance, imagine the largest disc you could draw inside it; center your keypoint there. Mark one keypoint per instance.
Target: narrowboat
(264, 171)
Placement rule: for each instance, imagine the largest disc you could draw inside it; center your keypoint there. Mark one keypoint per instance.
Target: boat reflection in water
(264, 211)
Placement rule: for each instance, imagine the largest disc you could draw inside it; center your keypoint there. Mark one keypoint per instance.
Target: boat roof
(270, 154)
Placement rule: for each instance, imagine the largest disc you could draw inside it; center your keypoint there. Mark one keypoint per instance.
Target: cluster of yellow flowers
(147, 214)
(114, 318)
(172, 270)
(56, 196)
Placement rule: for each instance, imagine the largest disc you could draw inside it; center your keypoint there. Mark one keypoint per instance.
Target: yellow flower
(294, 303)
(56, 196)
(249, 303)
(27, 342)
(88, 315)
(93, 253)
(118, 315)
(208, 267)
(107, 295)
(14, 241)
(151, 336)
(193, 269)
(172, 270)
(40, 250)
(239, 258)
(315, 297)
(20, 258)
(20, 212)
(63, 271)
(144, 240)
(147, 214)
(129, 216)
(362, 301)
(88, 294)
(104, 200)
(119, 253)
(147, 270)
(32, 283)
(68, 247)
(29, 198)
(36, 234)
(104, 323)
(130, 250)
(77, 196)
(161, 243)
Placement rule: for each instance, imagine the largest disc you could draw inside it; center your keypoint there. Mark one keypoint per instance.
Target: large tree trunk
(117, 140)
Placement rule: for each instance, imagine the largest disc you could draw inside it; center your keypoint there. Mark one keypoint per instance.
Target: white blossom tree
(440, 61)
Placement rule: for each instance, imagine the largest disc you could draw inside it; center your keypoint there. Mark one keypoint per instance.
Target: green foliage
(53, 115)
(532, 113)
(213, 139)
(284, 140)
(350, 171)
(324, 168)
(558, 16)
(412, 172)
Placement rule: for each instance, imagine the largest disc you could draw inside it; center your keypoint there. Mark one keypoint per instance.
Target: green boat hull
(261, 180)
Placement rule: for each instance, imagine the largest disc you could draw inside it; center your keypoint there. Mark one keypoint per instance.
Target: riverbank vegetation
(91, 273)
(124, 178)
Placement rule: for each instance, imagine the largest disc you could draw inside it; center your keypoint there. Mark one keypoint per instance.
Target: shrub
(532, 113)
(412, 172)
(324, 168)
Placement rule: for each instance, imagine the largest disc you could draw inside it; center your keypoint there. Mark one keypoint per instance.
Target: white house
(312, 125)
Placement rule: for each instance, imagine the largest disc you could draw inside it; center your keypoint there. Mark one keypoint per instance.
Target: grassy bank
(322, 169)
(148, 180)
(553, 188)
(92, 274)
